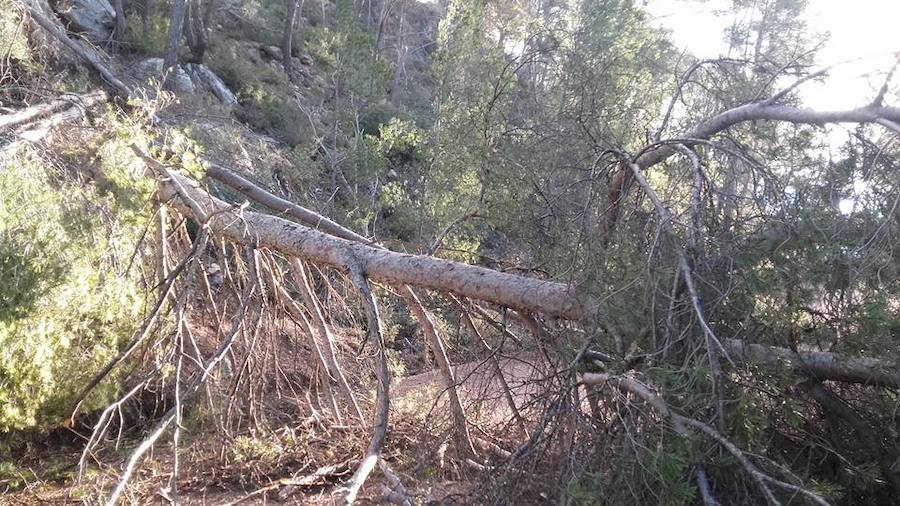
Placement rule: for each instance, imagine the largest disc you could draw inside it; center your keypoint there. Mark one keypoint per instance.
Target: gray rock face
(273, 52)
(151, 69)
(203, 76)
(94, 18)
(190, 78)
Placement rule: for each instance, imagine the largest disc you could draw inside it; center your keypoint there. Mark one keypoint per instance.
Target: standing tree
(294, 6)
(119, 31)
(170, 63)
(196, 21)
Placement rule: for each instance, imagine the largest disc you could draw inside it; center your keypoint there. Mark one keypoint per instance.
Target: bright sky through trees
(863, 37)
(860, 44)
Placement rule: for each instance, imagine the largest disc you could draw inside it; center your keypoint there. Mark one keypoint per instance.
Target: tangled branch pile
(668, 320)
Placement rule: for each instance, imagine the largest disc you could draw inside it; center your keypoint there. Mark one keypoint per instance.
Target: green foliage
(13, 39)
(361, 71)
(270, 111)
(149, 39)
(70, 286)
(653, 475)
(240, 66)
(400, 142)
(253, 450)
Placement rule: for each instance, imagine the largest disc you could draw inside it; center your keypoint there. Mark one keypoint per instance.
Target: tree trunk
(147, 18)
(529, 294)
(288, 36)
(170, 63)
(11, 122)
(818, 364)
(119, 31)
(195, 30)
(461, 430)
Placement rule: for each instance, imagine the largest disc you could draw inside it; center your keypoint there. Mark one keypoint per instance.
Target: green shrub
(70, 290)
(151, 41)
(264, 109)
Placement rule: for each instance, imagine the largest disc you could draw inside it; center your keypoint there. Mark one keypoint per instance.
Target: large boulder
(203, 76)
(96, 19)
(152, 68)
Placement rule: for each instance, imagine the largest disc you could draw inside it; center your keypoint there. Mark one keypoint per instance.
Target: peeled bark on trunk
(818, 364)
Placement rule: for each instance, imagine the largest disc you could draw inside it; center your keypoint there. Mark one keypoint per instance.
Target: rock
(273, 52)
(96, 19)
(306, 60)
(151, 69)
(203, 76)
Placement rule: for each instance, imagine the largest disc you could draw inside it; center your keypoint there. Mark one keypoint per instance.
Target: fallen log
(14, 121)
(38, 10)
(397, 269)
(816, 365)
(315, 220)
(819, 365)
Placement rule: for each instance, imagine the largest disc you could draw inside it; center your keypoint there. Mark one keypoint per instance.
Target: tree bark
(818, 364)
(287, 36)
(461, 429)
(119, 31)
(382, 395)
(176, 25)
(334, 249)
(195, 30)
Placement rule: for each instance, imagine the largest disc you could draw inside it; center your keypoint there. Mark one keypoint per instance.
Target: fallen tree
(54, 111)
(819, 365)
(40, 11)
(315, 220)
(397, 269)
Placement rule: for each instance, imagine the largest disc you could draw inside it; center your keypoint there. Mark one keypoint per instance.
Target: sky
(863, 43)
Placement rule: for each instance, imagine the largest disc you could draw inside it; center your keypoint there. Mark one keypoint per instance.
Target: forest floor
(414, 450)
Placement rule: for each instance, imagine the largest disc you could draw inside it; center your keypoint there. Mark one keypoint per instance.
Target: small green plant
(254, 450)
(265, 109)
